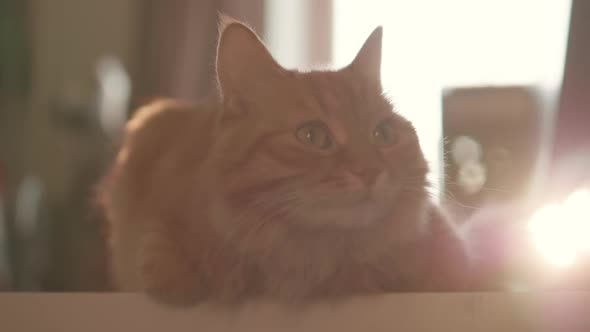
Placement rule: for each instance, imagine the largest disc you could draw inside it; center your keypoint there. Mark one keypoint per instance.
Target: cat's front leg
(167, 272)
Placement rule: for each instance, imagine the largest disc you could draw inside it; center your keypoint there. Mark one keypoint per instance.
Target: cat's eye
(314, 134)
(384, 134)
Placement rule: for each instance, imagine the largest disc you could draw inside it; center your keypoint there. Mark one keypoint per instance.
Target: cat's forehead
(340, 95)
(332, 92)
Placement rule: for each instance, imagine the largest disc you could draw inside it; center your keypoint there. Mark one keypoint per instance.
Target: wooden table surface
(519, 312)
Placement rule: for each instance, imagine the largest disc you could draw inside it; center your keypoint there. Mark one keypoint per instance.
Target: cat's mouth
(345, 210)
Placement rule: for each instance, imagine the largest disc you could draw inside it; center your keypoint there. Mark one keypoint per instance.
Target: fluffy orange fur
(291, 186)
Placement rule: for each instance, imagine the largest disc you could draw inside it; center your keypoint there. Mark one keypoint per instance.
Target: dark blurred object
(491, 144)
(14, 46)
(52, 142)
(571, 149)
(15, 84)
(4, 267)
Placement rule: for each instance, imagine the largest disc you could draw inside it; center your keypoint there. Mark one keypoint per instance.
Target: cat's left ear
(368, 60)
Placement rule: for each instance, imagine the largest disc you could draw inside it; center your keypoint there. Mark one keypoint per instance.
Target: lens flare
(561, 231)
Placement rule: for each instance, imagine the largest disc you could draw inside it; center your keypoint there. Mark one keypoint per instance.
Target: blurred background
(499, 91)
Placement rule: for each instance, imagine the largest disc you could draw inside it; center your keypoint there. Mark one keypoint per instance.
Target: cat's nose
(368, 174)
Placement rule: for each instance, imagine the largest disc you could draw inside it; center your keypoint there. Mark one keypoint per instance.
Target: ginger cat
(291, 185)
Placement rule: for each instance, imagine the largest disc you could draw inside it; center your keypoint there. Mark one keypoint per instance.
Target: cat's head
(312, 150)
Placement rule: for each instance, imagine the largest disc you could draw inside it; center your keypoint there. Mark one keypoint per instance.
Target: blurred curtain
(178, 49)
(571, 150)
(179, 45)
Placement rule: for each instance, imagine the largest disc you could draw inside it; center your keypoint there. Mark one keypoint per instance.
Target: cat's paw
(167, 274)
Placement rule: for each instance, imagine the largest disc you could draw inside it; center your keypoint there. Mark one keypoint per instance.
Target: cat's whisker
(269, 208)
(447, 196)
(483, 188)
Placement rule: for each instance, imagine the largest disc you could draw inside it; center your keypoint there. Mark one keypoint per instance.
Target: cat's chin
(363, 214)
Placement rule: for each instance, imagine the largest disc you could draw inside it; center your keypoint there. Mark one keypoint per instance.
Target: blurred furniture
(52, 144)
(491, 146)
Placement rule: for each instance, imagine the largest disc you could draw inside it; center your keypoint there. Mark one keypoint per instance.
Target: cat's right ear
(245, 68)
(368, 60)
